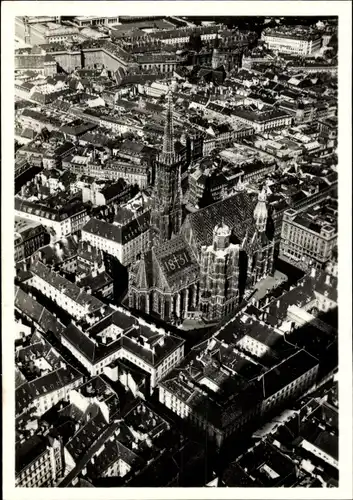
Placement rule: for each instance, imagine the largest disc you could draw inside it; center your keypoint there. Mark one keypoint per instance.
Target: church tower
(261, 261)
(260, 212)
(219, 280)
(167, 193)
(216, 60)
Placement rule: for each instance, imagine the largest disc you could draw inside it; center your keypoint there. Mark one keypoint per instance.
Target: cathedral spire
(260, 212)
(168, 152)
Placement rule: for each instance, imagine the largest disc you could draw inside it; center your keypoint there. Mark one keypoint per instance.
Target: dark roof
(118, 318)
(235, 476)
(57, 213)
(112, 452)
(53, 381)
(286, 372)
(79, 129)
(328, 443)
(122, 233)
(236, 211)
(175, 261)
(37, 313)
(80, 341)
(259, 116)
(86, 436)
(95, 283)
(111, 191)
(66, 287)
(29, 451)
(264, 458)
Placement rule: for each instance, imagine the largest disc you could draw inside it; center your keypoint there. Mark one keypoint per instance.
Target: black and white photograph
(177, 262)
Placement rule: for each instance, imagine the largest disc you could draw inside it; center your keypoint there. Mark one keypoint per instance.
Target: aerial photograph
(175, 248)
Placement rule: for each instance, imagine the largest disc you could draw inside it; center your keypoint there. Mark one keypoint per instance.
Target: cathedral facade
(166, 281)
(219, 275)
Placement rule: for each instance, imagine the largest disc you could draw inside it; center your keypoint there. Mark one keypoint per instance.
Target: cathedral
(165, 281)
(200, 266)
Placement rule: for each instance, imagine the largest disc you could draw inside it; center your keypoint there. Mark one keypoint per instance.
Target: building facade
(39, 462)
(125, 240)
(306, 239)
(61, 220)
(219, 276)
(296, 41)
(72, 299)
(29, 236)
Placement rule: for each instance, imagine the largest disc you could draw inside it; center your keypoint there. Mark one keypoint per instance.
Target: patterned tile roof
(175, 262)
(236, 211)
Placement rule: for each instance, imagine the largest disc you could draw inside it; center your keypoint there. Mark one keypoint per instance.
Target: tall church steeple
(167, 193)
(168, 151)
(260, 212)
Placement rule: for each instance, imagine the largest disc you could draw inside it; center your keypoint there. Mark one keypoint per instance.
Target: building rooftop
(29, 450)
(28, 306)
(288, 370)
(268, 466)
(119, 233)
(58, 212)
(146, 342)
(236, 211)
(75, 293)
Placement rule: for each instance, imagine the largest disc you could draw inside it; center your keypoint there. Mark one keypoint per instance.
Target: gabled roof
(119, 234)
(236, 211)
(174, 262)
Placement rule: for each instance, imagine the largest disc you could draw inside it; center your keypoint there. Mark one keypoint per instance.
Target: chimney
(313, 272)
(328, 280)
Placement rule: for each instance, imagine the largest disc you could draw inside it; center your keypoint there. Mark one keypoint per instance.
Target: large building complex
(298, 41)
(309, 237)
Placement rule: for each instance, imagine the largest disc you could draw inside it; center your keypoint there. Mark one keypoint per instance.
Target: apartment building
(126, 239)
(263, 120)
(39, 462)
(308, 238)
(63, 220)
(71, 298)
(121, 336)
(29, 236)
(208, 390)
